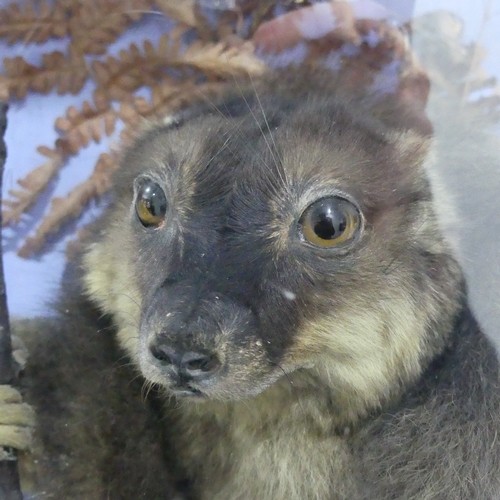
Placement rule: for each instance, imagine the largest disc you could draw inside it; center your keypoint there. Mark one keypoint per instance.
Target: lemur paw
(17, 420)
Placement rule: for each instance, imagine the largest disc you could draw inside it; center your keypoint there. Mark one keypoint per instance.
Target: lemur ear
(412, 97)
(406, 110)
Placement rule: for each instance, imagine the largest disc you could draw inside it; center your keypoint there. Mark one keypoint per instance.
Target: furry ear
(411, 145)
(406, 111)
(411, 150)
(412, 98)
(412, 115)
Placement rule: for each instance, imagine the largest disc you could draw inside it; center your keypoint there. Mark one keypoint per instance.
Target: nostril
(198, 364)
(165, 354)
(190, 364)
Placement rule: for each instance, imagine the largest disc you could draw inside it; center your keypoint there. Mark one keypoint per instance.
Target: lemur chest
(243, 455)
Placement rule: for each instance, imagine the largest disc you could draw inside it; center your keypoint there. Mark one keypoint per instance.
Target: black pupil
(153, 198)
(328, 221)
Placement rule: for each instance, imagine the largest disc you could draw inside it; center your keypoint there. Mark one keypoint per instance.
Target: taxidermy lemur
(268, 310)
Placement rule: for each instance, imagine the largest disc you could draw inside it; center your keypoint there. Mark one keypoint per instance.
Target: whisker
(278, 164)
(393, 260)
(145, 390)
(293, 388)
(260, 128)
(237, 132)
(220, 150)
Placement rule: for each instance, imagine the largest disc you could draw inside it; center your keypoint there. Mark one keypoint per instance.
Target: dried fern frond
(79, 127)
(72, 205)
(32, 185)
(120, 76)
(217, 60)
(64, 73)
(166, 99)
(183, 12)
(96, 24)
(33, 23)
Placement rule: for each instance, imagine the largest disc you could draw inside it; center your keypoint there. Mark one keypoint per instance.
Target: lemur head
(286, 231)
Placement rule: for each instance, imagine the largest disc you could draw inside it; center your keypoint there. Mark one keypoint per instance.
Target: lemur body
(273, 267)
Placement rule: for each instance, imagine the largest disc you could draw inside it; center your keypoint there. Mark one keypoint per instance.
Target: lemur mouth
(187, 391)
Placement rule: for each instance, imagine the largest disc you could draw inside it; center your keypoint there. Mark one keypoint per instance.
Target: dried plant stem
(9, 478)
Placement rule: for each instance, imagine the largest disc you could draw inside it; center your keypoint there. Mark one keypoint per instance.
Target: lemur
(267, 310)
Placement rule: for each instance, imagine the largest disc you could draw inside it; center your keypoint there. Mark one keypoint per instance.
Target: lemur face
(275, 235)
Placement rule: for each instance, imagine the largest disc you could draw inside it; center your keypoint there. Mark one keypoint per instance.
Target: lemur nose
(194, 365)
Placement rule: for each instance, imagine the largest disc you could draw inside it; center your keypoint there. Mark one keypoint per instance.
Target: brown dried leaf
(118, 77)
(99, 23)
(183, 12)
(72, 205)
(134, 68)
(66, 73)
(34, 22)
(219, 61)
(166, 99)
(32, 185)
(132, 115)
(79, 127)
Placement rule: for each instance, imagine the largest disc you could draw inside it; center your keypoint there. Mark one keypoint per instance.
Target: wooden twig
(9, 478)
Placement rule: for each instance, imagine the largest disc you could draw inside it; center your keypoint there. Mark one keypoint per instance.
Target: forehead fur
(279, 141)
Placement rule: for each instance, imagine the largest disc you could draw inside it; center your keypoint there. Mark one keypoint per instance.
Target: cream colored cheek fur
(364, 352)
(108, 283)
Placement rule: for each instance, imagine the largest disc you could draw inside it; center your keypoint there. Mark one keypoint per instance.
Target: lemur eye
(330, 222)
(150, 203)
